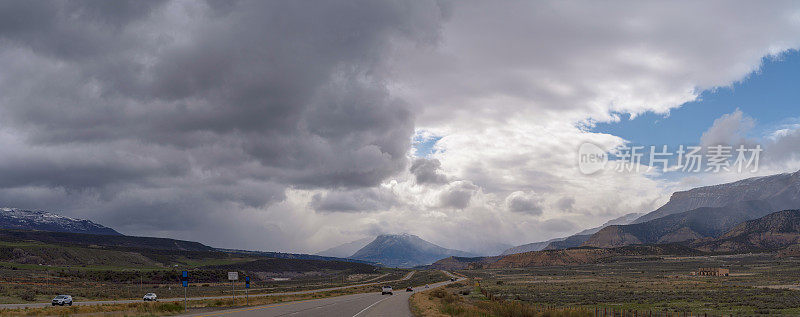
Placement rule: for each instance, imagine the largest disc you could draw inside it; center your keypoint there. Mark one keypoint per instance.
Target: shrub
(28, 295)
(439, 293)
(170, 307)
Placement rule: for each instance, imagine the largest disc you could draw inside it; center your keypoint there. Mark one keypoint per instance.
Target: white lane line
(373, 304)
(325, 305)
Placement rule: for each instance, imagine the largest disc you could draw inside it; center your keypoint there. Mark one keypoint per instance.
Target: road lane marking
(257, 308)
(278, 305)
(373, 304)
(321, 306)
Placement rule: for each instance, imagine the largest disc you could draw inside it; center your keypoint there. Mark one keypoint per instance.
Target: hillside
(569, 242)
(704, 222)
(535, 246)
(404, 250)
(13, 218)
(578, 256)
(62, 238)
(772, 232)
(781, 191)
(462, 263)
(121, 252)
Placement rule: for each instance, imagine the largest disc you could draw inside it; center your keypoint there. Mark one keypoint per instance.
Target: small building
(712, 271)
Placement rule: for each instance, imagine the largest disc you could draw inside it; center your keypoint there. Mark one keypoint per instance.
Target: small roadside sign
(185, 278)
(185, 282)
(233, 276)
(246, 287)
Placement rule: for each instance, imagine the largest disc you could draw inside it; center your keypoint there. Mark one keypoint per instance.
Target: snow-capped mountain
(14, 218)
(404, 250)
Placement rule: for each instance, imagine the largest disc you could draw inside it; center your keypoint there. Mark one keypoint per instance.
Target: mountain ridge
(703, 222)
(782, 191)
(20, 219)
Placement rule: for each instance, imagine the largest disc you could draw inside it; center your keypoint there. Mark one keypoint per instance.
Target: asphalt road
(32, 305)
(357, 305)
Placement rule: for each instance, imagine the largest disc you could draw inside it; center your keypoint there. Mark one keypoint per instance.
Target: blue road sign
(185, 278)
(247, 282)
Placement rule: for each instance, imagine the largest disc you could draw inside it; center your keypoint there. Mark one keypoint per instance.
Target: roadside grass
(651, 286)
(461, 300)
(133, 309)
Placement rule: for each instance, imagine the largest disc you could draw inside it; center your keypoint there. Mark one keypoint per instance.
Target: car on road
(409, 289)
(453, 279)
(150, 297)
(62, 300)
(386, 290)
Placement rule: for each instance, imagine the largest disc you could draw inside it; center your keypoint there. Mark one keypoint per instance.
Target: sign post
(246, 288)
(185, 283)
(233, 276)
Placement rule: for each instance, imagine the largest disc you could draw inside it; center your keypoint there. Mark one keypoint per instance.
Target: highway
(357, 305)
(33, 305)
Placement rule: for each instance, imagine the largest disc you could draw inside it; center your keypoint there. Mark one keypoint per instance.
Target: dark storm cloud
(427, 171)
(524, 203)
(368, 199)
(184, 109)
(458, 195)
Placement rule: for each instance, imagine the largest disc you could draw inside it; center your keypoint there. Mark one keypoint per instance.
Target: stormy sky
(299, 125)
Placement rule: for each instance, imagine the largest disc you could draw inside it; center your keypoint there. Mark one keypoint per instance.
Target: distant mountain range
(699, 213)
(781, 192)
(23, 225)
(405, 251)
(13, 218)
(571, 241)
(706, 212)
(704, 222)
(776, 232)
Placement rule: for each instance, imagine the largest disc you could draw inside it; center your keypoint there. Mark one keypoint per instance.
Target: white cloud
(729, 129)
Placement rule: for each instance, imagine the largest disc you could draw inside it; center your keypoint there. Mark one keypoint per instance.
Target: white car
(386, 290)
(150, 297)
(62, 300)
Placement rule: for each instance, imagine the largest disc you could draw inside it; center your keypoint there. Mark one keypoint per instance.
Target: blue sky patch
(770, 96)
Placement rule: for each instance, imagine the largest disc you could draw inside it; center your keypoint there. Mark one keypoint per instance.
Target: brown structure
(713, 271)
